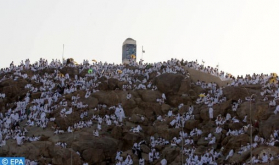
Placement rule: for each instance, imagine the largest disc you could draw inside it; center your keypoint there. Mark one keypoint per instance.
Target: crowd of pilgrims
(34, 112)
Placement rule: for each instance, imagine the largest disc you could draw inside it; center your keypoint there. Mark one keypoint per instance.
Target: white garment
(277, 109)
(164, 162)
(229, 155)
(19, 140)
(210, 113)
(265, 158)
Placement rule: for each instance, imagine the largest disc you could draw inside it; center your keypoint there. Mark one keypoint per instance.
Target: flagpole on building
(142, 52)
(63, 55)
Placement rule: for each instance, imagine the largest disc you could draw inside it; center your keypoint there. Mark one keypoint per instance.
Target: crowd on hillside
(29, 112)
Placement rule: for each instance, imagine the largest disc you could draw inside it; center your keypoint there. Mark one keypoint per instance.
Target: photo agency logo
(12, 161)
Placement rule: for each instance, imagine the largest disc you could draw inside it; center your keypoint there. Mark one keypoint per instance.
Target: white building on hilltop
(129, 51)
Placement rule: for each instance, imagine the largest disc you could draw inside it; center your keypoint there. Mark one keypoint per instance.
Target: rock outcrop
(142, 109)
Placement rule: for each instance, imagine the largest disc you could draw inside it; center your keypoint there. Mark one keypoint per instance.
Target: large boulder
(64, 156)
(234, 142)
(191, 124)
(185, 86)
(258, 110)
(14, 89)
(91, 101)
(235, 93)
(130, 138)
(113, 84)
(72, 71)
(93, 155)
(150, 110)
(169, 82)
(175, 99)
(149, 95)
(109, 98)
(170, 153)
(89, 145)
(135, 118)
(267, 126)
(64, 122)
(165, 108)
(116, 132)
(28, 150)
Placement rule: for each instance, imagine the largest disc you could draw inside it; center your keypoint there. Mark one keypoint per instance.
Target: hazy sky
(242, 36)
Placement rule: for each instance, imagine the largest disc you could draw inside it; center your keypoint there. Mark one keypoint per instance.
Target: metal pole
(251, 129)
(142, 52)
(182, 143)
(71, 154)
(250, 126)
(62, 55)
(72, 141)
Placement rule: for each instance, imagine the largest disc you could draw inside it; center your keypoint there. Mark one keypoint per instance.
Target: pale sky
(241, 36)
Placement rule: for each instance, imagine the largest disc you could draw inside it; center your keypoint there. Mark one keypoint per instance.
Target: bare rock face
(14, 89)
(93, 155)
(116, 132)
(128, 105)
(235, 126)
(130, 138)
(175, 99)
(234, 142)
(191, 124)
(235, 93)
(109, 98)
(169, 82)
(70, 70)
(267, 126)
(89, 145)
(63, 123)
(103, 86)
(259, 110)
(35, 150)
(62, 155)
(185, 86)
(149, 95)
(92, 102)
(113, 84)
(150, 110)
(165, 108)
(170, 153)
(135, 119)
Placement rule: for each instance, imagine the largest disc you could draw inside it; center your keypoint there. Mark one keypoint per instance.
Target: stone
(169, 82)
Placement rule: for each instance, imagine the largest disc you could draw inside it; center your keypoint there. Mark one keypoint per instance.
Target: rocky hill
(55, 114)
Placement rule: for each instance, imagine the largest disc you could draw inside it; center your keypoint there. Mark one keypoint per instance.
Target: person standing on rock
(134, 148)
(139, 151)
(129, 96)
(150, 157)
(128, 160)
(118, 155)
(141, 161)
(164, 97)
(164, 161)
(264, 158)
(230, 154)
(210, 111)
(276, 109)
(19, 140)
